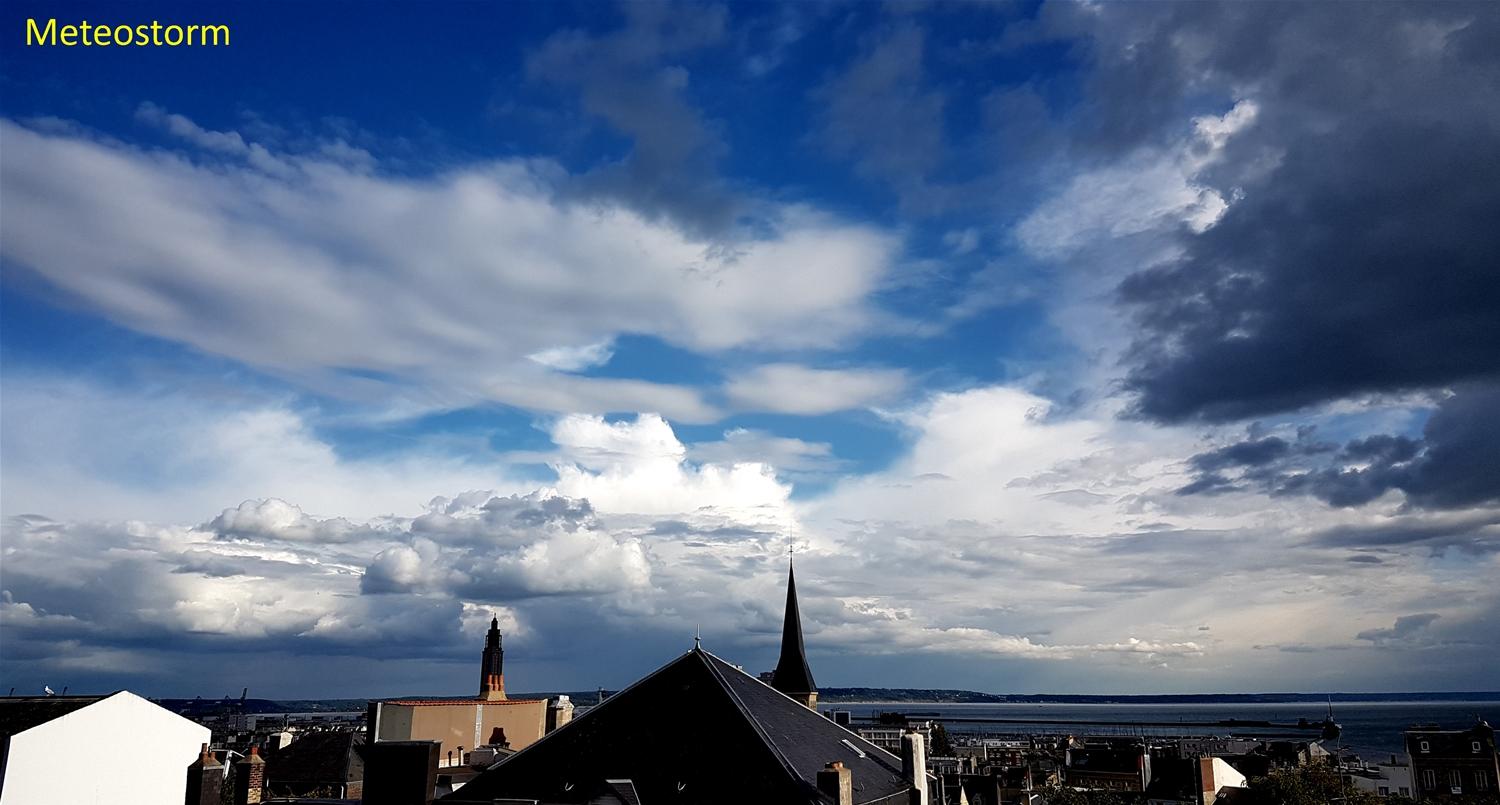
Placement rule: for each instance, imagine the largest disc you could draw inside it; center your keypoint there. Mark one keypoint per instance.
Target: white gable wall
(122, 750)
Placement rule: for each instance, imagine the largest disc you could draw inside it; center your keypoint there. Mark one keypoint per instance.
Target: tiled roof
(697, 730)
(318, 757)
(1449, 742)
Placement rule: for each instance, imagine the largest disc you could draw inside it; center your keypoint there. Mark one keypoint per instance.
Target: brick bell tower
(492, 668)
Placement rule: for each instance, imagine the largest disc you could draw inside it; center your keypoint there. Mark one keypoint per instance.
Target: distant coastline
(902, 696)
(923, 696)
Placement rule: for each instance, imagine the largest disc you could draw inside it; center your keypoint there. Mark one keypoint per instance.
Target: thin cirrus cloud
(796, 389)
(451, 282)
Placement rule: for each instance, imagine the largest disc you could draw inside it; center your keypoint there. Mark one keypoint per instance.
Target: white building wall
(1226, 776)
(122, 750)
(1393, 778)
(1399, 777)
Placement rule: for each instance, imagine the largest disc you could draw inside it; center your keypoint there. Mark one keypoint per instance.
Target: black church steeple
(792, 676)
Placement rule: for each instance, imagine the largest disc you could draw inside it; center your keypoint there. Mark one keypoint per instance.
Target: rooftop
(435, 702)
(695, 730)
(21, 713)
(319, 757)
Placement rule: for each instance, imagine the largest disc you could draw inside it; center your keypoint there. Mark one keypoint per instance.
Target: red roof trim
(432, 702)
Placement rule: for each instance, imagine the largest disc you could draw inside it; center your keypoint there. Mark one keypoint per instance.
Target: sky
(1072, 347)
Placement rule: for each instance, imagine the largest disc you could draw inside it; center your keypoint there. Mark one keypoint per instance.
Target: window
(1425, 746)
(1474, 745)
(1405, 792)
(852, 747)
(1455, 778)
(1385, 791)
(1429, 778)
(1481, 781)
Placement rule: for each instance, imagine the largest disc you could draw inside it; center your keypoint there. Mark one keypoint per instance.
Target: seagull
(48, 690)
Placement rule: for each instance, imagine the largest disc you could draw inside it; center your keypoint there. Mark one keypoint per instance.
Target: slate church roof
(696, 730)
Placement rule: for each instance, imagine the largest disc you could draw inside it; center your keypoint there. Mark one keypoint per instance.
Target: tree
(1312, 784)
(1062, 795)
(941, 746)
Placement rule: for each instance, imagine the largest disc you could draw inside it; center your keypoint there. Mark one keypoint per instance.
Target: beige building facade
(460, 724)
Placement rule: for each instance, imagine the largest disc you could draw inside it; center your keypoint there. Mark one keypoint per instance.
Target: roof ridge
(748, 716)
(779, 751)
(852, 734)
(589, 712)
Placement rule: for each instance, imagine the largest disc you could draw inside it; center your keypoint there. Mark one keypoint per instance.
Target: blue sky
(1077, 347)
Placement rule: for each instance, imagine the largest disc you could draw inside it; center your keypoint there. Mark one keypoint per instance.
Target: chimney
(205, 778)
(400, 772)
(559, 712)
(837, 783)
(249, 778)
(914, 765)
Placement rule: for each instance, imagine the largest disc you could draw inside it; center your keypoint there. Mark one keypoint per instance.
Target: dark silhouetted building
(1450, 763)
(318, 764)
(1113, 768)
(400, 772)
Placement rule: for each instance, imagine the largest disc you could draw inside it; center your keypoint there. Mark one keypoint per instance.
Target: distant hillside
(202, 708)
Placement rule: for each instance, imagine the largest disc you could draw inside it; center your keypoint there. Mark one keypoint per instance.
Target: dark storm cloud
(1258, 452)
(1145, 65)
(629, 79)
(1477, 534)
(1372, 272)
(111, 597)
(1405, 627)
(1455, 464)
(1365, 259)
(677, 529)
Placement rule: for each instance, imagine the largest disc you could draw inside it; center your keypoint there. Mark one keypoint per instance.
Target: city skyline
(1074, 348)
